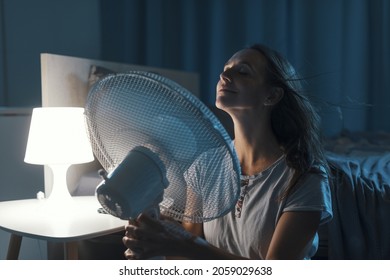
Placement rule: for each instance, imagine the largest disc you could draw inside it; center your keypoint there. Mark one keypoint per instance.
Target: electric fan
(161, 148)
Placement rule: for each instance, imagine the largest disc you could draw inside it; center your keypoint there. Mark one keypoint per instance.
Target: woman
(285, 193)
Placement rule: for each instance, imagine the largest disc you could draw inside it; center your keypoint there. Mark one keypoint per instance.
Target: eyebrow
(242, 62)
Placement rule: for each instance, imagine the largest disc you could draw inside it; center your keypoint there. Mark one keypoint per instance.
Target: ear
(275, 95)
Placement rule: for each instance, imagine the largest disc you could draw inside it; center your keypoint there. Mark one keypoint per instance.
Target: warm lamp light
(58, 138)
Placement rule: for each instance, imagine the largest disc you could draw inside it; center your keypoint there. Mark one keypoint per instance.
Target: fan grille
(133, 109)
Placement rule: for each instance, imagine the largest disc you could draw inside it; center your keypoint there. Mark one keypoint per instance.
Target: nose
(224, 76)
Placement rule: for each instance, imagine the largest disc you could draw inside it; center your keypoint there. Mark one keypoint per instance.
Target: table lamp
(58, 138)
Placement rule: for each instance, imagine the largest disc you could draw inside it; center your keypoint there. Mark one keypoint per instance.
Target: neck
(256, 146)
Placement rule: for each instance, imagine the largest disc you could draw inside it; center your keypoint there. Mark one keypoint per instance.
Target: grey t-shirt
(251, 233)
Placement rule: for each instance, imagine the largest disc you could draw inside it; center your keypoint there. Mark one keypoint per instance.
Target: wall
(28, 28)
(19, 180)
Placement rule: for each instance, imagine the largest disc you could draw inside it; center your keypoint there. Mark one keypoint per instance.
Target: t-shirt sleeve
(313, 194)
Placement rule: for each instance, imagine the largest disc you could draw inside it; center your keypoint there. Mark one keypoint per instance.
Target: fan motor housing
(135, 186)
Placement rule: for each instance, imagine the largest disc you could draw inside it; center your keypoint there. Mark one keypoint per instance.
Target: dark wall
(29, 28)
(341, 47)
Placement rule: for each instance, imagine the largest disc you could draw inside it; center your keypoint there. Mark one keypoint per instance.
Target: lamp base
(59, 191)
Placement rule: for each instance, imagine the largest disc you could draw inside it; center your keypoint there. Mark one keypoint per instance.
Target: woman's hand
(146, 238)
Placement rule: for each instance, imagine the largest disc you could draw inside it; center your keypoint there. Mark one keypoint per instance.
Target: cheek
(217, 85)
(258, 94)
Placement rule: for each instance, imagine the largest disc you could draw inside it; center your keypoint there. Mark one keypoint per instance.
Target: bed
(360, 170)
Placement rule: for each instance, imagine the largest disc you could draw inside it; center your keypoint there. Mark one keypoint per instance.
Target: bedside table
(67, 222)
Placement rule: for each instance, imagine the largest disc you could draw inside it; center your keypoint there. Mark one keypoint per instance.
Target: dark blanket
(360, 228)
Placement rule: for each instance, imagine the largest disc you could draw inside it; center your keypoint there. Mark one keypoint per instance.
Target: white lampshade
(58, 136)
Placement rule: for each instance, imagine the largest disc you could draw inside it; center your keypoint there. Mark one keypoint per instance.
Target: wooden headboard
(66, 82)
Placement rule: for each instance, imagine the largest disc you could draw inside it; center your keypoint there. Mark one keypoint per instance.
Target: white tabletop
(75, 219)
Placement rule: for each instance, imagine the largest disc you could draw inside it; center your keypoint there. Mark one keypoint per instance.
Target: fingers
(150, 223)
(133, 222)
(148, 227)
(140, 249)
(145, 221)
(147, 237)
(134, 250)
(143, 232)
(167, 218)
(133, 231)
(131, 255)
(142, 239)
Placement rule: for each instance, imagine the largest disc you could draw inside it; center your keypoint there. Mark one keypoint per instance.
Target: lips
(227, 90)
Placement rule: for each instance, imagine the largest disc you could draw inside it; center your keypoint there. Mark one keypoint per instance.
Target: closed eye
(242, 69)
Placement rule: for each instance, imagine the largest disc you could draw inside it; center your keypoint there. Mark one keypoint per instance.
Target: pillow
(359, 144)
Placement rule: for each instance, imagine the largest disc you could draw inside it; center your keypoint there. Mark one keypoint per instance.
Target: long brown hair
(294, 120)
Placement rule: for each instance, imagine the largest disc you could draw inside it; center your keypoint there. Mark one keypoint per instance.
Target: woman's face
(242, 83)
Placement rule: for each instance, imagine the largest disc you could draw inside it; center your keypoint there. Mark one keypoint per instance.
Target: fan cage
(139, 108)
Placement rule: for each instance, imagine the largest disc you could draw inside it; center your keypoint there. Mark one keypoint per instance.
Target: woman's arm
(146, 238)
(194, 228)
(292, 235)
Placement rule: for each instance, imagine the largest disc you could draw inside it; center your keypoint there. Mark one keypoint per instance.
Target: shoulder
(312, 192)
(316, 177)
(317, 170)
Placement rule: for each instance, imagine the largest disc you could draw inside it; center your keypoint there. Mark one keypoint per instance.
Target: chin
(223, 103)
(219, 104)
